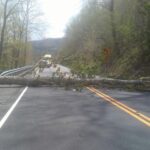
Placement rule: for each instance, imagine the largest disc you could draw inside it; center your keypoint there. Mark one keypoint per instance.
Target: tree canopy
(110, 37)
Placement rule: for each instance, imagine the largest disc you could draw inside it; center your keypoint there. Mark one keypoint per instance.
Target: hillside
(50, 45)
(110, 39)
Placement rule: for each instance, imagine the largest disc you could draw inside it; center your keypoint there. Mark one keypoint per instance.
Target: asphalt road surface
(49, 118)
(48, 72)
(8, 94)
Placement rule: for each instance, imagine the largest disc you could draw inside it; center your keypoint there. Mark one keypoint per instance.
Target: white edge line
(3, 120)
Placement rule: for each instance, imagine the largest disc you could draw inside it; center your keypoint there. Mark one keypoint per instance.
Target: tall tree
(114, 33)
(7, 12)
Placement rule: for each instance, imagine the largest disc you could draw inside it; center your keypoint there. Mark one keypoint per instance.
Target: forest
(109, 38)
(18, 20)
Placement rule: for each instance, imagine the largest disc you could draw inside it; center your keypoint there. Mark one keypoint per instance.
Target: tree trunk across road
(106, 82)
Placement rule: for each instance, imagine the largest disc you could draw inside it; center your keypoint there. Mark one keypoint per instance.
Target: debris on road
(62, 82)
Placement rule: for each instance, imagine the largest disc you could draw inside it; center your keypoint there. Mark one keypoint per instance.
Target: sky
(56, 14)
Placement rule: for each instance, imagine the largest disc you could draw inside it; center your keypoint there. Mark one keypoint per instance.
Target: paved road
(48, 72)
(138, 100)
(66, 120)
(57, 119)
(8, 94)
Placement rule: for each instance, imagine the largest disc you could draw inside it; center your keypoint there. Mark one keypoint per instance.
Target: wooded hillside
(109, 38)
(18, 20)
(45, 46)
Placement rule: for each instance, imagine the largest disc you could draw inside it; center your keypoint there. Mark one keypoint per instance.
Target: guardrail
(16, 71)
(20, 71)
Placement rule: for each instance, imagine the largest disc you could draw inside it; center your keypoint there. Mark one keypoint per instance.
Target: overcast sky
(56, 15)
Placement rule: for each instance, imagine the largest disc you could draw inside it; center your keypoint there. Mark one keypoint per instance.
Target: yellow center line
(123, 105)
(142, 118)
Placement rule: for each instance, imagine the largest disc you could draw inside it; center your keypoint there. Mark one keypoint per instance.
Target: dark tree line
(110, 37)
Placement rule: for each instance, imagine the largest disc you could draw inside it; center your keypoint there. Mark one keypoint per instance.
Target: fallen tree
(104, 82)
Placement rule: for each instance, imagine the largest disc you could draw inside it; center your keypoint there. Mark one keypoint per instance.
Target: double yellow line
(132, 112)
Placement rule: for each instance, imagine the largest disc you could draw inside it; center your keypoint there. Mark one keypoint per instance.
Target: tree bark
(114, 33)
(73, 83)
(3, 29)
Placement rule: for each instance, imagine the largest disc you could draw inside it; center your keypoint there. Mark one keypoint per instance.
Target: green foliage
(15, 26)
(124, 28)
